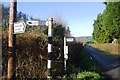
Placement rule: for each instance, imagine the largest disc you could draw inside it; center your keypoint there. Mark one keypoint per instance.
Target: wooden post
(12, 41)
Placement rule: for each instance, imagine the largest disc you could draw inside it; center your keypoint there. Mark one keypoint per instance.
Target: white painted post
(50, 23)
(65, 53)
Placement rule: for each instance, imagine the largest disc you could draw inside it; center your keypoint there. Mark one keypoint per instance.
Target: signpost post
(12, 42)
(66, 51)
(50, 24)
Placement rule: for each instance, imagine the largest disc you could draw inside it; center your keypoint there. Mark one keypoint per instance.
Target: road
(109, 64)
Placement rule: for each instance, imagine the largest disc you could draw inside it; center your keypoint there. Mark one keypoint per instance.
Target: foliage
(118, 41)
(31, 55)
(100, 33)
(4, 16)
(107, 24)
(82, 59)
(80, 62)
(22, 16)
(88, 76)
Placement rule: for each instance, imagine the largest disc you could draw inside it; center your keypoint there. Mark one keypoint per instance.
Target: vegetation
(108, 48)
(31, 55)
(81, 64)
(4, 12)
(107, 24)
(88, 76)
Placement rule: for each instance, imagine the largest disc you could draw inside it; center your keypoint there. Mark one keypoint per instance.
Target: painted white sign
(33, 23)
(19, 27)
(70, 39)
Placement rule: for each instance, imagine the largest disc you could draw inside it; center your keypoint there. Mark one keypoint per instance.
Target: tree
(5, 16)
(100, 33)
(107, 24)
(111, 18)
(22, 16)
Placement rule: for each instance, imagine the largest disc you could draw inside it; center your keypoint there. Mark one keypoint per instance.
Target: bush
(31, 55)
(88, 76)
(118, 41)
(80, 62)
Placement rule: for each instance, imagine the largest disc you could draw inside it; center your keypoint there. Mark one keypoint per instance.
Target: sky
(79, 16)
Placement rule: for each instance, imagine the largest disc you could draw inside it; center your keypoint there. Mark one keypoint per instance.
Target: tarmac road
(109, 64)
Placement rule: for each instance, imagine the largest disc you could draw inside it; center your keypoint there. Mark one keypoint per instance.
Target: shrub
(80, 61)
(31, 55)
(88, 76)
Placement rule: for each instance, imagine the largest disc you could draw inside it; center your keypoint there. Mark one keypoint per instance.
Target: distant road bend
(109, 64)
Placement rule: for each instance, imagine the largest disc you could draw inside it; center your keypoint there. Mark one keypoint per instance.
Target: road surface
(109, 64)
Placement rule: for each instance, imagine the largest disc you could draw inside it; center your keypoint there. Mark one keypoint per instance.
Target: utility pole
(12, 41)
(50, 24)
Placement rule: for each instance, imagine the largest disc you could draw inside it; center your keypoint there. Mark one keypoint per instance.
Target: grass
(109, 48)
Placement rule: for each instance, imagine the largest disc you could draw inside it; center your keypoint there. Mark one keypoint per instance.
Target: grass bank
(109, 48)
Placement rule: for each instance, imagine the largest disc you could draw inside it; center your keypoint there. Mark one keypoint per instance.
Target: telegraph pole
(50, 24)
(12, 41)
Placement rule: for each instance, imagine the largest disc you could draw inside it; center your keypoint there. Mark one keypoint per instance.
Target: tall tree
(107, 24)
(111, 18)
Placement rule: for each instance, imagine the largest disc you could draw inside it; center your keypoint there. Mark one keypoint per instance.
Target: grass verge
(108, 48)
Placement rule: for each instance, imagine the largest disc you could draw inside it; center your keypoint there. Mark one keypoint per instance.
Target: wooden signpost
(12, 41)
